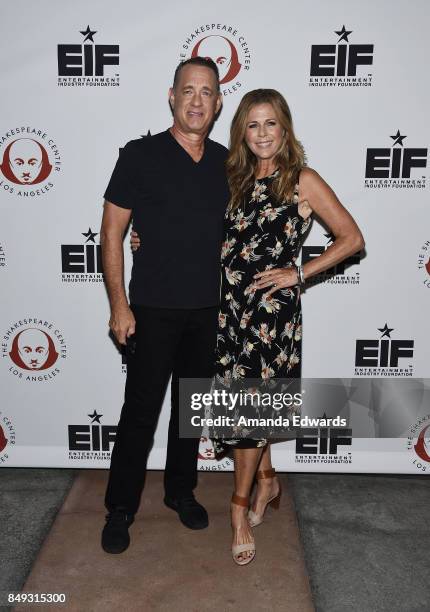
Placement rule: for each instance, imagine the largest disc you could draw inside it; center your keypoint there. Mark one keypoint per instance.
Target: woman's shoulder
(308, 181)
(308, 176)
(312, 183)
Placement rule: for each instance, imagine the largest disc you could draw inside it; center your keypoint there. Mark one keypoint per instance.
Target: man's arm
(114, 223)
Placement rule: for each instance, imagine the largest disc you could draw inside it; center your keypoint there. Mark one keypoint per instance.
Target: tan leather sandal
(255, 519)
(238, 549)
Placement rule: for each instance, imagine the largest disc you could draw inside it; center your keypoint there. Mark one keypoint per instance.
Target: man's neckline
(185, 151)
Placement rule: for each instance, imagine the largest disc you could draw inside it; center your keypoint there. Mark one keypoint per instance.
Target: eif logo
(323, 445)
(388, 166)
(341, 63)
(82, 263)
(87, 63)
(87, 441)
(337, 274)
(383, 355)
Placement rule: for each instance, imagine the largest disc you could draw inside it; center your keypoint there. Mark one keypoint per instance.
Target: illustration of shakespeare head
(33, 349)
(206, 450)
(223, 53)
(25, 162)
(422, 447)
(3, 439)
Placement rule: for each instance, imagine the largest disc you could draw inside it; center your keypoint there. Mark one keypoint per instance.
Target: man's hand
(115, 221)
(122, 323)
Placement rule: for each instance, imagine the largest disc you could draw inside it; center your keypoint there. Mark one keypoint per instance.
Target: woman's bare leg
(266, 459)
(266, 487)
(246, 461)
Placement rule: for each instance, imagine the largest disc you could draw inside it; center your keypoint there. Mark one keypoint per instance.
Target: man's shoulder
(218, 148)
(145, 142)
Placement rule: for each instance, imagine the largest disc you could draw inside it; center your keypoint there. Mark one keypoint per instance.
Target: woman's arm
(324, 202)
(316, 196)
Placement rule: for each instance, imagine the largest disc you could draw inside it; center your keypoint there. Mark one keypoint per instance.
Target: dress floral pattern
(258, 337)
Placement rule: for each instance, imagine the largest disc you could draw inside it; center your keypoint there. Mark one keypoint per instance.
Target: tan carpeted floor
(167, 566)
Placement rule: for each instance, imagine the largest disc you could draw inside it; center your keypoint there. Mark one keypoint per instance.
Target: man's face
(25, 159)
(33, 348)
(195, 99)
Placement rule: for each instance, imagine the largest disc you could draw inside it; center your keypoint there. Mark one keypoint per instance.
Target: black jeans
(167, 341)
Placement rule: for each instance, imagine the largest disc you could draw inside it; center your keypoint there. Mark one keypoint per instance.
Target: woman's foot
(243, 545)
(268, 490)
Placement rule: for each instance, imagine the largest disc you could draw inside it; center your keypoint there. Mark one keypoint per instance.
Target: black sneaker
(115, 536)
(191, 513)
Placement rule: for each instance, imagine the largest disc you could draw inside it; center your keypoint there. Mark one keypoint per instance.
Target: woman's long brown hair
(242, 163)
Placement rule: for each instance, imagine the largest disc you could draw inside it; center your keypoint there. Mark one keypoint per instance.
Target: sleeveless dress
(258, 337)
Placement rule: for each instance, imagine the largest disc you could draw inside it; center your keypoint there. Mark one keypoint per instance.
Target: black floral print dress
(259, 337)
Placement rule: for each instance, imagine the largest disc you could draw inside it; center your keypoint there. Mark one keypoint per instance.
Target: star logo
(330, 237)
(343, 34)
(398, 139)
(88, 33)
(146, 135)
(95, 417)
(90, 236)
(385, 331)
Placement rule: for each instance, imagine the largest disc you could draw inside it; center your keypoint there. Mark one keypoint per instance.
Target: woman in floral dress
(273, 196)
(259, 333)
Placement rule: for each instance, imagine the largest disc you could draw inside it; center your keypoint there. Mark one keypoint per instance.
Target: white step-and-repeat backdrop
(80, 79)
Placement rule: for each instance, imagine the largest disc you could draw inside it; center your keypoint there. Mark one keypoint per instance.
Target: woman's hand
(134, 240)
(277, 278)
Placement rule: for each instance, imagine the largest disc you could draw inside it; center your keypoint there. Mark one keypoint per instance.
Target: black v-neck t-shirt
(178, 209)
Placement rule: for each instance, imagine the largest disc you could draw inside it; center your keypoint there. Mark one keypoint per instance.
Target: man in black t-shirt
(174, 186)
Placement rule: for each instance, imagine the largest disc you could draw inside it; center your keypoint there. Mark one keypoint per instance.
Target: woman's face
(264, 134)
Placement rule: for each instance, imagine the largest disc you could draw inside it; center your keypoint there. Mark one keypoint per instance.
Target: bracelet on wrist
(300, 275)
